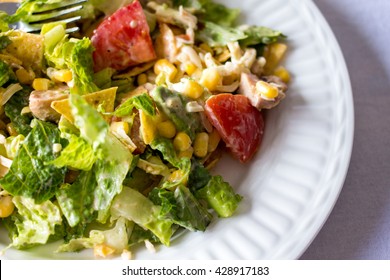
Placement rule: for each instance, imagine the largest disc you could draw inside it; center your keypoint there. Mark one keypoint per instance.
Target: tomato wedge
(123, 39)
(240, 125)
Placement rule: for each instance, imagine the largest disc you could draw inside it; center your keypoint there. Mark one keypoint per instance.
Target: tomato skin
(123, 39)
(240, 125)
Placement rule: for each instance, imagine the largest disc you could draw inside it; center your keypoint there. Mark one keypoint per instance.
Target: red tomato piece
(123, 39)
(240, 125)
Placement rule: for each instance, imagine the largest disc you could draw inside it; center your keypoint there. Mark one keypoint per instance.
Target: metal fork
(64, 11)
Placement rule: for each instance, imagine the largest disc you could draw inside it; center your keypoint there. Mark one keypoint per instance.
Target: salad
(108, 135)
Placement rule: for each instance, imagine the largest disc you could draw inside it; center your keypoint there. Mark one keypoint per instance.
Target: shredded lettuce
(29, 175)
(220, 196)
(141, 102)
(256, 35)
(217, 35)
(34, 222)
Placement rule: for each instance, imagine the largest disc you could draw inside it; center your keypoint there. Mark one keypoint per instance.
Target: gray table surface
(359, 226)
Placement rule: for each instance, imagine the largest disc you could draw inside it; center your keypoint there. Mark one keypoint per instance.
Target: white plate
(292, 184)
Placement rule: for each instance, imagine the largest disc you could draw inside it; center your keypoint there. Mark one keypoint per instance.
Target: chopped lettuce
(218, 35)
(76, 199)
(256, 35)
(199, 176)
(135, 207)
(220, 196)
(181, 207)
(78, 154)
(74, 54)
(4, 42)
(13, 109)
(34, 222)
(5, 73)
(29, 175)
(141, 102)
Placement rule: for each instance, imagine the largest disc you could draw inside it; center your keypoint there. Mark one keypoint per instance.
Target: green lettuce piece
(139, 234)
(3, 24)
(78, 154)
(181, 207)
(12, 144)
(29, 175)
(199, 176)
(76, 199)
(4, 42)
(135, 207)
(93, 128)
(219, 13)
(173, 104)
(220, 196)
(217, 35)
(5, 73)
(256, 35)
(141, 102)
(13, 109)
(35, 223)
(165, 147)
(77, 244)
(74, 54)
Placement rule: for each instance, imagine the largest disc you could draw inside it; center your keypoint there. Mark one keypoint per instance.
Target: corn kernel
(163, 65)
(6, 206)
(266, 90)
(41, 84)
(148, 127)
(176, 176)
(210, 79)
(214, 139)
(102, 250)
(187, 153)
(24, 76)
(191, 89)
(282, 73)
(201, 144)
(63, 75)
(166, 129)
(142, 79)
(182, 141)
(123, 126)
(206, 48)
(190, 68)
(274, 54)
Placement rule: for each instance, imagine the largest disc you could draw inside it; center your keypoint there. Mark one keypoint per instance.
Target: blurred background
(359, 225)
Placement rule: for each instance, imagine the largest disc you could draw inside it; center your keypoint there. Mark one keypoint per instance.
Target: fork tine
(52, 15)
(36, 28)
(58, 5)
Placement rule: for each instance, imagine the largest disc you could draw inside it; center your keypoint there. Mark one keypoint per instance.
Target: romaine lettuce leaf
(199, 176)
(135, 207)
(34, 222)
(181, 207)
(13, 109)
(141, 102)
(260, 35)
(5, 73)
(78, 154)
(76, 199)
(29, 174)
(217, 35)
(4, 42)
(220, 196)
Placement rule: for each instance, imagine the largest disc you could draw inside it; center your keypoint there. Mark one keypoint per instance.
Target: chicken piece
(40, 103)
(248, 87)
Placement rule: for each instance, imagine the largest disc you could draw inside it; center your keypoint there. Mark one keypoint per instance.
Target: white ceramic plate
(292, 184)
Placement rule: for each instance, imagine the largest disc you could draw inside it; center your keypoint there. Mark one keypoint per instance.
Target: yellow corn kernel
(6, 206)
(182, 141)
(210, 79)
(102, 250)
(24, 76)
(142, 79)
(274, 54)
(187, 153)
(123, 126)
(41, 84)
(266, 90)
(190, 68)
(11, 130)
(164, 66)
(191, 89)
(214, 139)
(201, 144)
(166, 129)
(176, 176)
(148, 127)
(282, 73)
(63, 75)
